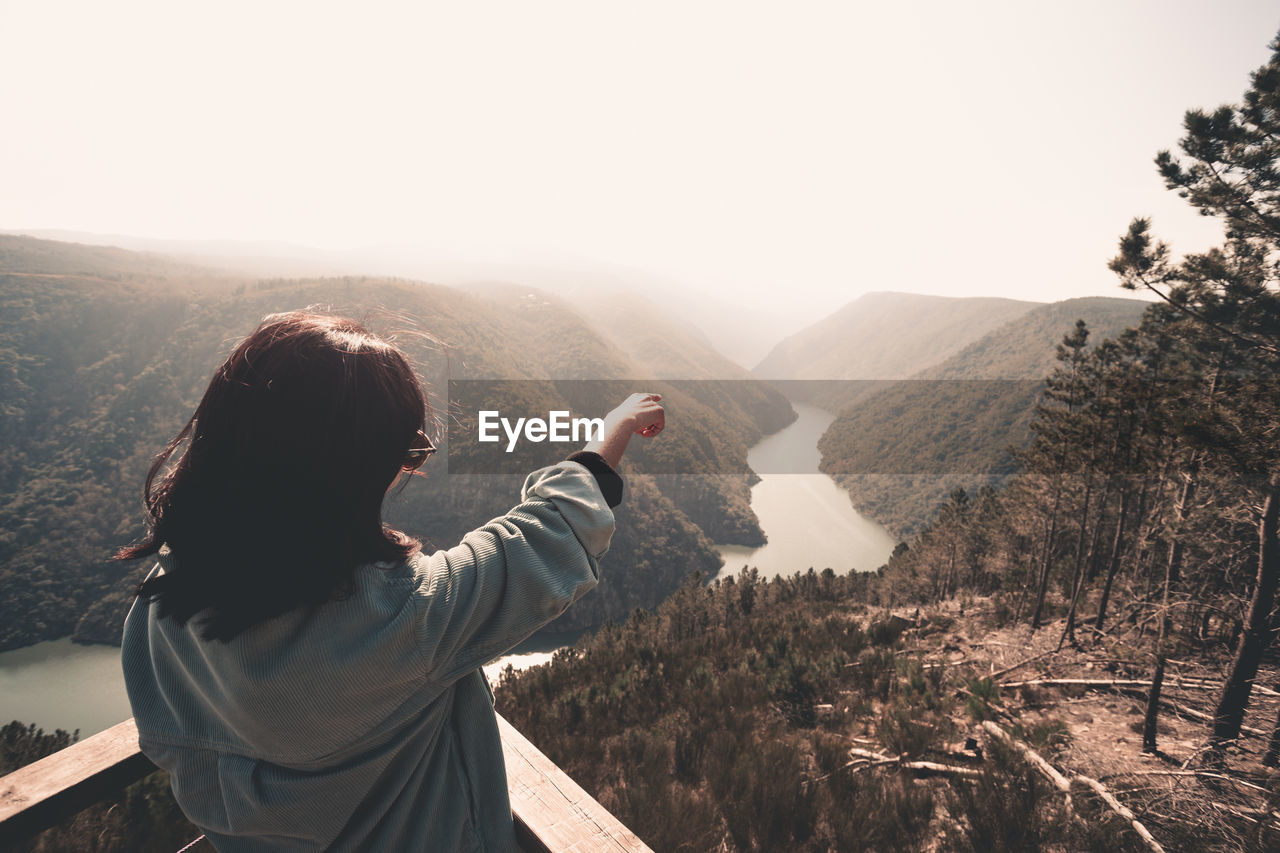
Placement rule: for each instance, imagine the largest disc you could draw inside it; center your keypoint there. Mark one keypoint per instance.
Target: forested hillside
(789, 715)
(1026, 347)
(1075, 660)
(887, 336)
(97, 372)
(901, 448)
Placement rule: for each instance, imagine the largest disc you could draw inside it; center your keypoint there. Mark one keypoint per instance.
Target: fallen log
(864, 759)
(1249, 815)
(1020, 664)
(1062, 783)
(1131, 687)
(1119, 808)
(1189, 682)
(940, 664)
(1173, 681)
(1203, 717)
(878, 759)
(1078, 682)
(1203, 774)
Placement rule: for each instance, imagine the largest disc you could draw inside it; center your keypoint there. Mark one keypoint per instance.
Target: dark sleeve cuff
(610, 481)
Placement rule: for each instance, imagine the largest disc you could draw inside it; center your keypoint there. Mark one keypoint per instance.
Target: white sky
(770, 152)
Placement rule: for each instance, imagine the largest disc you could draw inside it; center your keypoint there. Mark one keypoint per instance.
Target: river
(808, 518)
(64, 685)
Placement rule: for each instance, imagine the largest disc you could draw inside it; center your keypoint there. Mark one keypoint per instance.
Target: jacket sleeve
(507, 579)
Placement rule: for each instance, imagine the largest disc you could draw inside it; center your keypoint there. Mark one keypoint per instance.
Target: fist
(641, 413)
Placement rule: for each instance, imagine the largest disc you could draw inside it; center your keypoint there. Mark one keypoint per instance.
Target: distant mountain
(887, 336)
(26, 256)
(659, 345)
(904, 446)
(657, 341)
(737, 331)
(236, 257)
(651, 344)
(103, 354)
(1024, 347)
(740, 331)
(669, 347)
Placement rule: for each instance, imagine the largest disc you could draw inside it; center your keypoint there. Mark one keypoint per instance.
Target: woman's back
(306, 676)
(366, 719)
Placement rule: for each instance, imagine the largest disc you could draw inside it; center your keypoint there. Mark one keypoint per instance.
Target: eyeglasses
(414, 457)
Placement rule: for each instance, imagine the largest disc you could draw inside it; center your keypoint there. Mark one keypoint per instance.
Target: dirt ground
(1104, 723)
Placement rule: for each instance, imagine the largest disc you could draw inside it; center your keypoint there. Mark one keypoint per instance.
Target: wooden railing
(553, 814)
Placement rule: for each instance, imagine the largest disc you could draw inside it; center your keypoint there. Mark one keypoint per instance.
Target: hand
(639, 413)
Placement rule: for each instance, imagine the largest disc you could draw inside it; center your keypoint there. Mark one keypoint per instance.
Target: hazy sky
(770, 152)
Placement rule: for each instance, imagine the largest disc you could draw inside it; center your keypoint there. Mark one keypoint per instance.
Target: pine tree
(1229, 299)
(1054, 430)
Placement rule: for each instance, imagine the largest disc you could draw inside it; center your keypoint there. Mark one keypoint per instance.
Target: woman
(309, 679)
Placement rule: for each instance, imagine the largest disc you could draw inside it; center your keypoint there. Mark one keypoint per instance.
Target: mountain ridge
(98, 371)
(902, 447)
(887, 335)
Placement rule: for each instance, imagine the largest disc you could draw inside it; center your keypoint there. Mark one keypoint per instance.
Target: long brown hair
(277, 496)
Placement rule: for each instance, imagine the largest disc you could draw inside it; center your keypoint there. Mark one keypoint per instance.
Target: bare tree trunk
(1113, 563)
(1172, 570)
(1048, 557)
(1229, 715)
(1077, 576)
(1152, 718)
(1057, 502)
(1026, 591)
(1091, 560)
(1176, 547)
(1146, 537)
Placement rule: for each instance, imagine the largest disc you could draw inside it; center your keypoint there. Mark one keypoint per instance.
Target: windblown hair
(277, 497)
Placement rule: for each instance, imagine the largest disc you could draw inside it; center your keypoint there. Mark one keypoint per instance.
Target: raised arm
(639, 413)
(515, 574)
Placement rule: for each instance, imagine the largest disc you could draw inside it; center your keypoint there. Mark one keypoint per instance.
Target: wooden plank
(554, 810)
(55, 788)
(553, 813)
